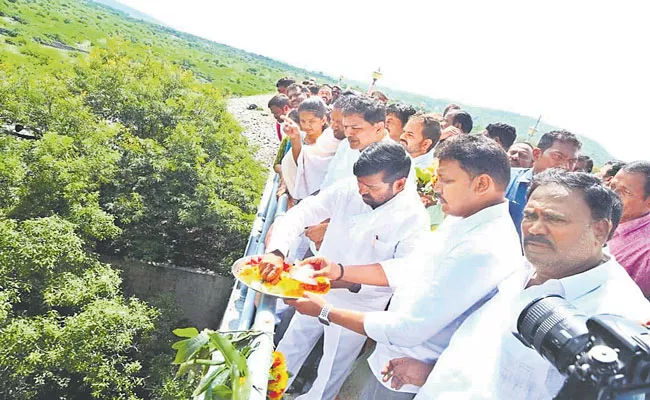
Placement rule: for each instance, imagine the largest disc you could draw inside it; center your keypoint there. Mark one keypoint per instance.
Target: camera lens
(555, 328)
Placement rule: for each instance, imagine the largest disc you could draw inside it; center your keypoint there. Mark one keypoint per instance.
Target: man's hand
(310, 305)
(406, 371)
(449, 132)
(290, 127)
(271, 267)
(316, 233)
(323, 267)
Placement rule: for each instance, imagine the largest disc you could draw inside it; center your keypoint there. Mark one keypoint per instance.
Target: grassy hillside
(72, 28)
(132, 12)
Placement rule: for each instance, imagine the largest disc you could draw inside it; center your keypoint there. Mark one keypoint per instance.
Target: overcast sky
(583, 65)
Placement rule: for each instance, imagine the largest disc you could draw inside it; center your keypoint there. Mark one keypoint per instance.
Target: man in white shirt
(420, 135)
(567, 220)
(373, 218)
(457, 267)
(363, 124)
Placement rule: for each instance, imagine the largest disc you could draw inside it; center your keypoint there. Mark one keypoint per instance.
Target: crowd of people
(426, 289)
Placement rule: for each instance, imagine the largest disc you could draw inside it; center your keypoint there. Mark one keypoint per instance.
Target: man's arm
(384, 273)
(370, 274)
(312, 304)
(308, 212)
(352, 320)
(436, 297)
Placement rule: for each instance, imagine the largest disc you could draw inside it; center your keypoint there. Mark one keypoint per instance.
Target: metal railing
(241, 312)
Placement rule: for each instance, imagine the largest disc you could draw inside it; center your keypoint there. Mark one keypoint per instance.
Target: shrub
(131, 157)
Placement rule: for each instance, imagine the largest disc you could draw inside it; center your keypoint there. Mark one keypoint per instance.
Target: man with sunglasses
(556, 149)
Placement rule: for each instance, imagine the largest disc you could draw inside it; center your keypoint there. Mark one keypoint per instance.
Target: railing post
(241, 310)
(259, 362)
(232, 318)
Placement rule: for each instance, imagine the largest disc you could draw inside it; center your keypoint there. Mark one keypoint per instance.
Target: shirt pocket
(383, 250)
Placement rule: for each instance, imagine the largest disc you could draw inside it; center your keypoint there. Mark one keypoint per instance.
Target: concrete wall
(202, 296)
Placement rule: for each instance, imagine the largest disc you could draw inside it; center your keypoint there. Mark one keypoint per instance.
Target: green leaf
(230, 353)
(186, 332)
(246, 336)
(221, 392)
(241, 385)
(422, 175)
(188, 347)
(206, 381)
(184, 368)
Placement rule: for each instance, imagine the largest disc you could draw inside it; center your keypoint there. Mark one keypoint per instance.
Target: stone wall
(202, 296)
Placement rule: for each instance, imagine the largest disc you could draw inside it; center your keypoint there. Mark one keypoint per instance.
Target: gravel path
(257, 124)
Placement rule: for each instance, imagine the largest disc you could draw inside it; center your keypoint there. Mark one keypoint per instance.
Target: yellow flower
(278, 377)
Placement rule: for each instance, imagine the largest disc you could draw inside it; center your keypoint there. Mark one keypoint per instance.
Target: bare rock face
(258, 124)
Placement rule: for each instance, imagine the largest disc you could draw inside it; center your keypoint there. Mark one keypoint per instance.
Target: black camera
(602, 357)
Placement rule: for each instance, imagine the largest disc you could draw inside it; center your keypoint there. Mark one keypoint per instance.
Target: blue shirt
(520, 179)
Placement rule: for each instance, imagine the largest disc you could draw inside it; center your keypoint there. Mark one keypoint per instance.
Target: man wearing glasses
(556, 149)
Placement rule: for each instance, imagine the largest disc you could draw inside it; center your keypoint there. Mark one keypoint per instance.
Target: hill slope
(131, 12)
(73, 27)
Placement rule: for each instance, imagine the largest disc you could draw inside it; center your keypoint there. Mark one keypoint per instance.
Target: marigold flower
(278, 377)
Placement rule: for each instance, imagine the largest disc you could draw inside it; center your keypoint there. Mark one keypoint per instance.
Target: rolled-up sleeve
(436, 296)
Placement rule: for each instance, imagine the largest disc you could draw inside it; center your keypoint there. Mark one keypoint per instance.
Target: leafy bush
(127, 156)
(65, 331)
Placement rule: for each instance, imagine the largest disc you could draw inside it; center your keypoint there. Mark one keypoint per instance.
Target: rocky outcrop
(258, 125)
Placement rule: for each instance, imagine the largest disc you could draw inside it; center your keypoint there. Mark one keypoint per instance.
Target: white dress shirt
(484, 360)
(313, 162)
(343, 162)
(424, 160)
(459, 267)
(340, 167)
(357, 234)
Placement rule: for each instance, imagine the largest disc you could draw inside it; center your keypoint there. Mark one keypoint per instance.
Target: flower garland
(426, 179)
(278, 377)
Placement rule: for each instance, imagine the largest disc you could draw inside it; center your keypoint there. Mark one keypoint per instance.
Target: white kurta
(423, 161)
(484, 360)
(313, 162)
(356, 235)
(459, 268)
(340, 167)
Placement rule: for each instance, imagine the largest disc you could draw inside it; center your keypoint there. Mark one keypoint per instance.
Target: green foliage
(130, 154)
(232, 70)
(64, 329)
(139, 155)
(217, 360)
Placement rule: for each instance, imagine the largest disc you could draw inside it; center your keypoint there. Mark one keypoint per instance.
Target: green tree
(160, 173)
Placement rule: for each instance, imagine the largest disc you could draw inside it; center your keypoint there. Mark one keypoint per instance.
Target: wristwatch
(323, 317)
